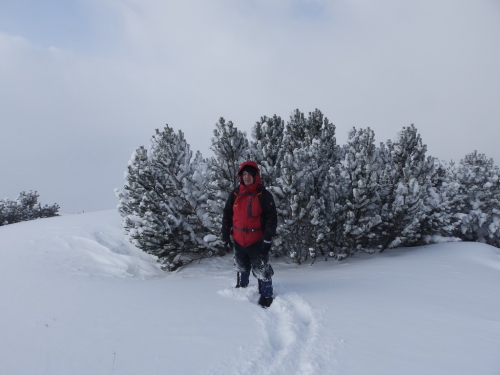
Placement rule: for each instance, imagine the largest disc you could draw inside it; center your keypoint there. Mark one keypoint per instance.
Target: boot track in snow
(291, 338)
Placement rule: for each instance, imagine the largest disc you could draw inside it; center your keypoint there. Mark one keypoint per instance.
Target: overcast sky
(85, 82)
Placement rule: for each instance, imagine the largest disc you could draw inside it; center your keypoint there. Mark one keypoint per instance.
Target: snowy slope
(76, 298)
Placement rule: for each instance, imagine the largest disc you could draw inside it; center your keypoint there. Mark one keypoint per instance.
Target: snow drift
(76, 298)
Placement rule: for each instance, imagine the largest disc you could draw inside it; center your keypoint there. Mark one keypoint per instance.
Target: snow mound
(77, 298)
(90, 244)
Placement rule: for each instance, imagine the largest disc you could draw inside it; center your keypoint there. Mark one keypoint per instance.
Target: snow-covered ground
(76, 298)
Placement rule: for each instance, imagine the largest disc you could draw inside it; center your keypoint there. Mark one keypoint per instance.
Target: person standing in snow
(250, 217)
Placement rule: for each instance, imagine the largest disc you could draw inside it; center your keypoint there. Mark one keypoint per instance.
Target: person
(250, 218)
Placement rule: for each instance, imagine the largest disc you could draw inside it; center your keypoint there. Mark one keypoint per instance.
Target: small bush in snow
(24, 208)
(477, 199)
(164, 203)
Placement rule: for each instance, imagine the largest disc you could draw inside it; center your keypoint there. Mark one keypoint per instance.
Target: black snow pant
(253, 258)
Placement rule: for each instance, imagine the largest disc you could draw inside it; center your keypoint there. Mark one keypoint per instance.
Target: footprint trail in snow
(291, 338)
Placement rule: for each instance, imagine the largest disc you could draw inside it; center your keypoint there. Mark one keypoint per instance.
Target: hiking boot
(265, 302)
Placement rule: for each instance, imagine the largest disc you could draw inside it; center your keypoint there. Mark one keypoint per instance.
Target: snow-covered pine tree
(8, 212)
(478, 205)
(309, 149)
(25, 207)
(440, 222)
(329, 188)
(359, 173)
(296, 133)
(301, 131)
(231, 148)
(201, 168)
(27, 203)
(335, 193)
(405, 180)
(138, 181)
(48, 211)
(164, 212)
(182, 200)
(298, 209)
(266, 148)
(386, 174)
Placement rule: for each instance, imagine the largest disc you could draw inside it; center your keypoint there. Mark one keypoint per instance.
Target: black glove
(266, 246)
(228, 246)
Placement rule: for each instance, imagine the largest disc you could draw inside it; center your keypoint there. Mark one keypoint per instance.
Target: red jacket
(250, 212)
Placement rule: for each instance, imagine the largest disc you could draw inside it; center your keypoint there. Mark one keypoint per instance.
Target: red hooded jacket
(250, 212)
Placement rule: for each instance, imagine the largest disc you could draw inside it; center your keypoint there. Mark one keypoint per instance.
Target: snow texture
(77, 298)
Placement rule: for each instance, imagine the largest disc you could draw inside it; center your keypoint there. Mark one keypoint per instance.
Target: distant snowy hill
(77, 298)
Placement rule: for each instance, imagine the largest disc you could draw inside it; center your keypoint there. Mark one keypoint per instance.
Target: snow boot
(265, 302)
(266, 293)
(242, 279)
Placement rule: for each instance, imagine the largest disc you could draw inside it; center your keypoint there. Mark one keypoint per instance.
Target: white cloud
(383, 65)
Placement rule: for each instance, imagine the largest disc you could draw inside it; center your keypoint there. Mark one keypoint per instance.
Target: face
(247, 178)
